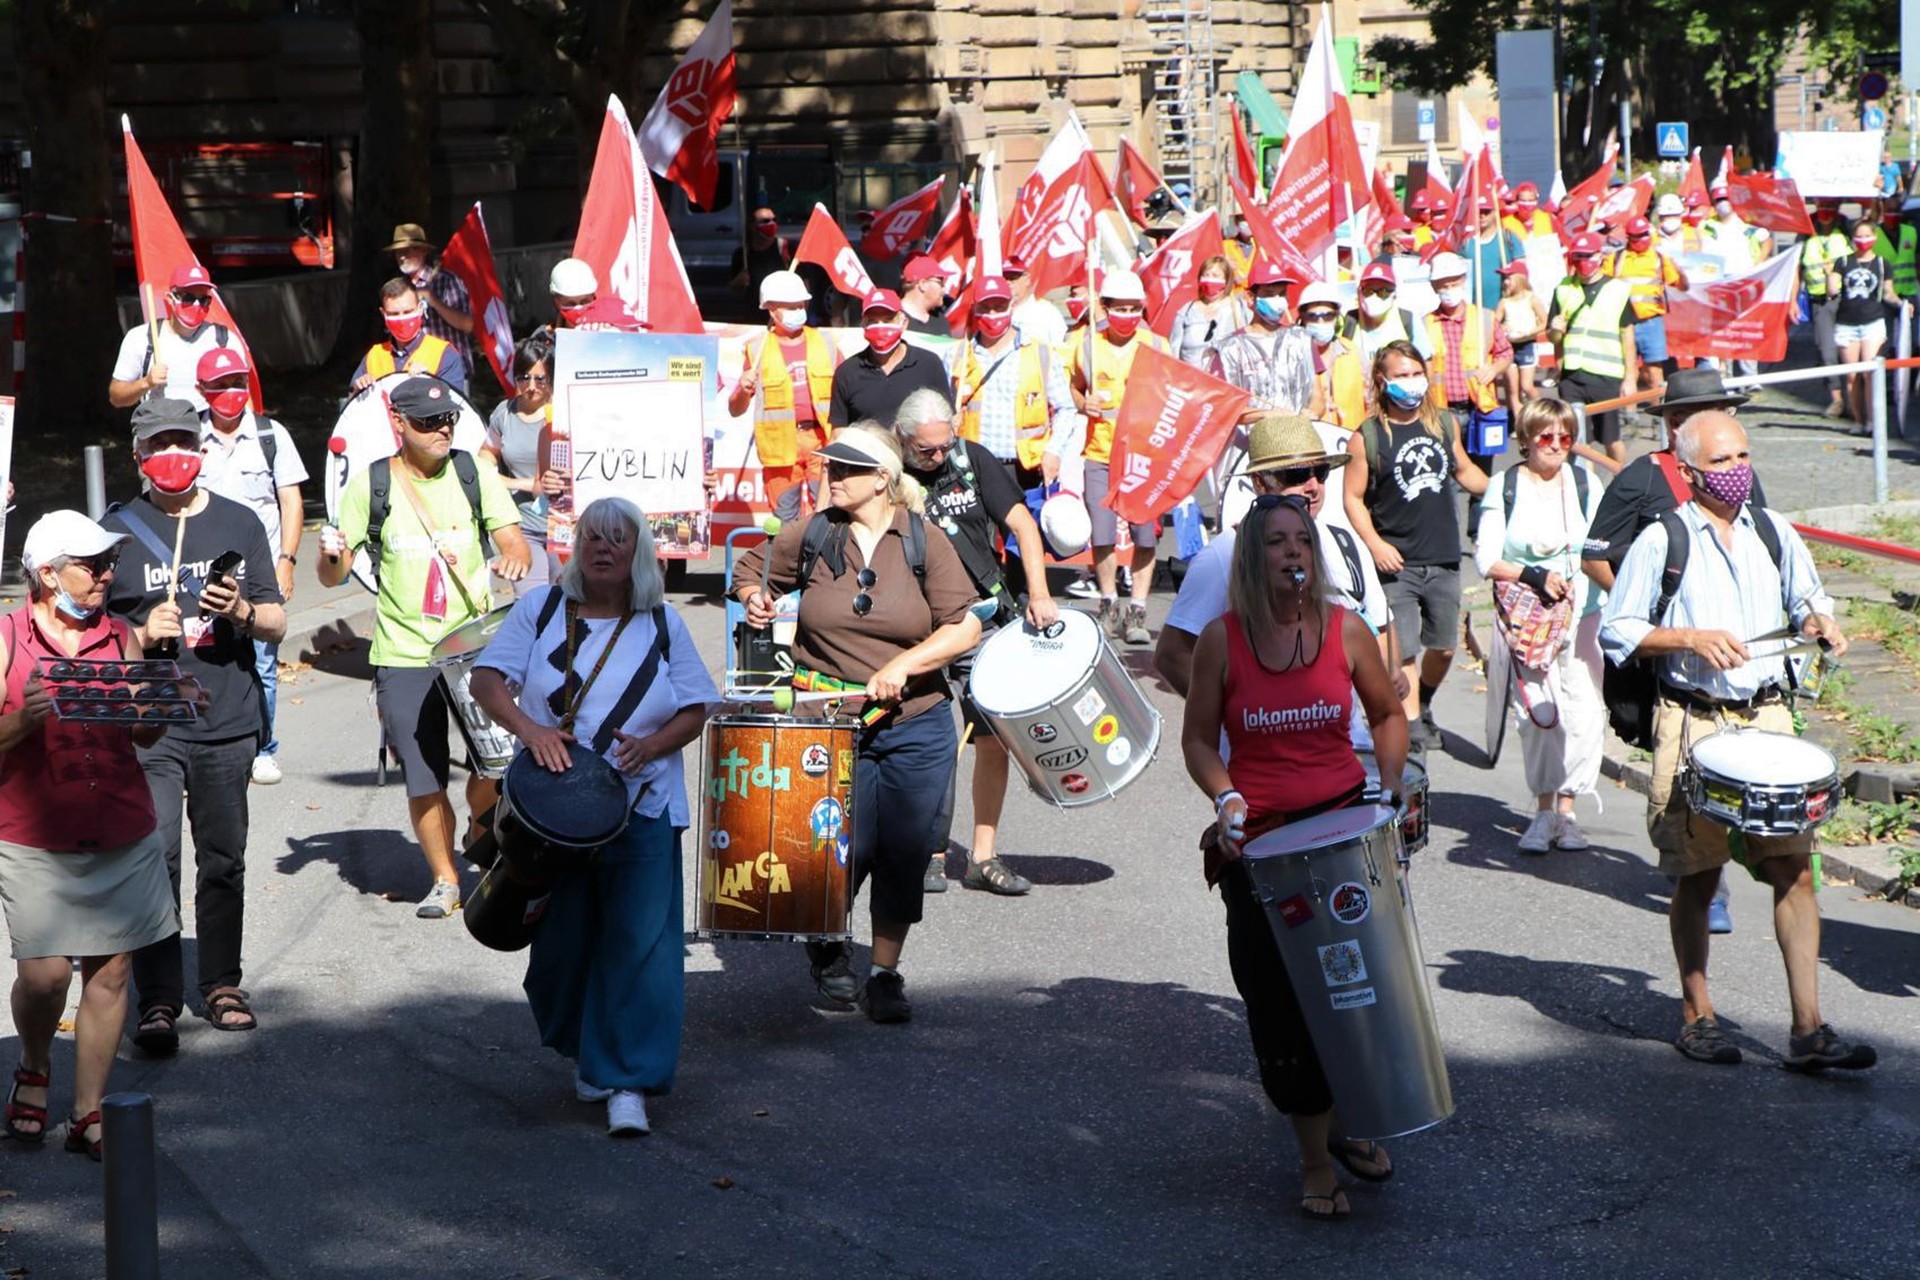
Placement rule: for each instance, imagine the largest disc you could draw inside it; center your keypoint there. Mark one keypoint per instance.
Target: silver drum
(1766, 784)
(490, 747)
(1413, 801)
(1336, 900)
(1065, 709)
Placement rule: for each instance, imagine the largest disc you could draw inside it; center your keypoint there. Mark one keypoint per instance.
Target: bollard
(96, 469)
(132, 1193)
(1877, 396)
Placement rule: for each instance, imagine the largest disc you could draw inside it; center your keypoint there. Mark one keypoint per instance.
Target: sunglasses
(936, 450)
(99, 566)
(766, 222)
(1294, 477)
(1554, 439)
(539, 379)
(841, 470)
(863, 603)
(440, 423)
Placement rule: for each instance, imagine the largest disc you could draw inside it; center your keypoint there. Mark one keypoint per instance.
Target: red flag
(1273, 242)
(1577, 209)
(1480, 181)
(1745, 317)
(954, 248)
(1773, 203)
(680, 133)
(1173, 422)
(904, 221)
(1323, 179)
(624, 236)
(1135, 180)
(160, 248)
(1696, 180)
(1245, 164)
(470, 257)
(1629, 200)
(825, 245)
(1384, 205)
(1170, 273)
(1725, 176)
(1052, 218)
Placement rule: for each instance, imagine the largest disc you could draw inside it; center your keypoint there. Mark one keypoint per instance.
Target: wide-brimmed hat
(409, 235)
(1698, 388)
(1282, 441)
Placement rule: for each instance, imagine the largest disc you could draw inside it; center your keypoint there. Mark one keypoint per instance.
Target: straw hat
(1281, 441)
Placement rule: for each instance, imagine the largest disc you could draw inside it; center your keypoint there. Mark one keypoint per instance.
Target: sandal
(1363, 1159)
(223, 1002)
(77, 1140)
(157, 1035)
(1330, 1206)
(18, 1111)
(1704, 1041)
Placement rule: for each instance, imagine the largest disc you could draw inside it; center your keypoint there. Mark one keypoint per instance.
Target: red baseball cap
(1693, 199)
(1719, 189)
(920, 267)
(991, 288)
(190, 275)
(1397, 222)
(1514, 268)
(1421, 202)
(1486, 204)
(1013, 265)
(1526, 191)
(1638, 227)
(1265, 271)
(1586, 245)
(220, 362)
(881, 300)
(1378, 273)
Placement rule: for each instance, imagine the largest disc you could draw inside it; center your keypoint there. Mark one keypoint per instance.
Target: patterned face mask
(1732, 487)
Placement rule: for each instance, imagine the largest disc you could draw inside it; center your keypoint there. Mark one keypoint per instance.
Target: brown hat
(1281, 441)
(409, 235)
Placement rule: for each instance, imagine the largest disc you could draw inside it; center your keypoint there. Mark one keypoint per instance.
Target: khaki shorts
(1689, 843)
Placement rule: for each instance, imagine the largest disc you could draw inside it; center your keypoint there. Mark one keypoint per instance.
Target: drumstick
(179, 541)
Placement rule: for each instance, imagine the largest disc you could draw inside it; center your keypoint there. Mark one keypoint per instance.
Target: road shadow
(338, 649)
(1873, 959)
(1042, 869)
(1491, 831)
(373, 860)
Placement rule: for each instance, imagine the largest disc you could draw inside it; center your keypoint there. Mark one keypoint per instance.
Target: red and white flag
(1170, 273)
(825, 245)
(624, 235)
(1744, 317)
(1173, 423)
(1323, 179)
(1245, 164)
(469, 256)
(680, 134)
(1134, 181)
(904, 221)
(1481, 180)
(1273, 243)
(160, 248)
(1696, 180)
(1052, 218)
(1576, 211)
(1725, 176)
(1438, 186)
(1629, 200)
(955, 250)
(1772, 203)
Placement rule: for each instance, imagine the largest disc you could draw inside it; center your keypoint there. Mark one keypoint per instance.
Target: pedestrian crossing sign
(1672, 137)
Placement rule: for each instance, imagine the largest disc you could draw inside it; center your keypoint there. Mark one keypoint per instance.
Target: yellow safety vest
(1818, 253)
(1904, 258)
(1111, 365)
(1542, 225)
(426, 358)
(1475, 339)
(1032, 415)
(775, 436)
(1592, 343)
(1647, 273)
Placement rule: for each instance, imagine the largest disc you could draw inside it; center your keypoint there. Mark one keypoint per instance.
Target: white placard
(1843, 165)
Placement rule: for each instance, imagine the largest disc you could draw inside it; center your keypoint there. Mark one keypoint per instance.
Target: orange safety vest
(1647, 274)
(775, 432)
(426, 358)
(1032, 415)
(1476, 339)
(1111, 365)
(1346, 384)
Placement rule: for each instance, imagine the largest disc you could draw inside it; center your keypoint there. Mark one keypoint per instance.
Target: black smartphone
(224, 566)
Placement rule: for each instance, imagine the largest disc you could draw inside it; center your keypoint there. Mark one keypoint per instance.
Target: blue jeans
(267, 663)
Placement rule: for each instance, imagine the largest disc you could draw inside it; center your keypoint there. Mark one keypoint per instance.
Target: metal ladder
(1185, 95)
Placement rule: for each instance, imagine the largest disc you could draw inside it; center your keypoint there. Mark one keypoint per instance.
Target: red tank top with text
(1288, 729)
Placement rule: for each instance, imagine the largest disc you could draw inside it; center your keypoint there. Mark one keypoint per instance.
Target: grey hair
(1686, 436)
(918, 409)
(35, 589)
(616, 520)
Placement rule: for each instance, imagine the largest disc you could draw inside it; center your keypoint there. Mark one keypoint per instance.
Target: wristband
(289, 557)
(1535, 576)
(1220, 801)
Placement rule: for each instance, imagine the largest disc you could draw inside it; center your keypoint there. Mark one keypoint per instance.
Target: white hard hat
(572, 278)
(1065, 523)
(1320, 292)
(1669, 206)
(1122, 286)
(1447, 266)
(784, 288)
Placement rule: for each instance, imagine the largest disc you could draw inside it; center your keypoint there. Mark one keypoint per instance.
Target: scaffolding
(1185, 95)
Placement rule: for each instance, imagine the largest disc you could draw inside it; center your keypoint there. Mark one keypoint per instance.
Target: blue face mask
(1406, 393)
(1272, 310)
(70, 607)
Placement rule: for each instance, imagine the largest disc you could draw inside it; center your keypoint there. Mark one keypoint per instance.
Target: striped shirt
(1736, 590)
(452, 293)
(1001, 389)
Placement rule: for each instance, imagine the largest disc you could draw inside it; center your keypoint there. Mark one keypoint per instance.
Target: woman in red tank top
(1278, 673)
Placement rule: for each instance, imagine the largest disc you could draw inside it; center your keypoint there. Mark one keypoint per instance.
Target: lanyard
(572, 704)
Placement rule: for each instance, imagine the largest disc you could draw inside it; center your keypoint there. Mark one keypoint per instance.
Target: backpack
(826, 539)
(1630, 689)
(1510, 489)
(1351, 323)
(380, 501)
(981, 564)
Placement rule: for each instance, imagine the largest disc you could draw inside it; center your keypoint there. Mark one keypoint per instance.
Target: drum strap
(426, 524)
(571, 705)
(636, 690)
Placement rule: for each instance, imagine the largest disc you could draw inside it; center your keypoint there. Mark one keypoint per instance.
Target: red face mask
(191, 315)
(1076, 309)
(574, 315)
(883, 338)
(1211, 290)
(404, 329)
(992, 326)
(1122, 326)
(1639, 244)
(173, 471)
(228, 403)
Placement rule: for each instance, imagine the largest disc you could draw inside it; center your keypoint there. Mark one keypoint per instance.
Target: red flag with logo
(825, 245)
(1743, 317)
(1134, 180)
(1052, 217)
(1695, 181)
(160, 248)
(680, 134)
(904, 221)
(1629, 200)
(1323, 179)
(1273, 242)
(469, 256)
(1773, 203)
(1480, 181)
(1577, 209)
(955, 248)
(1245, 165)
(624, 235)
(1174, 420)
(1170, 273)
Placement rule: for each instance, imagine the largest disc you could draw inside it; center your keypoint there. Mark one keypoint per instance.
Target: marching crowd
(1332, 578)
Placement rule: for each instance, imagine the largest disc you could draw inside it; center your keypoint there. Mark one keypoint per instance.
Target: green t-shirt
(403, 636)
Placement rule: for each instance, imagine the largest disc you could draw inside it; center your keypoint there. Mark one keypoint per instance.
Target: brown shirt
(835, 641)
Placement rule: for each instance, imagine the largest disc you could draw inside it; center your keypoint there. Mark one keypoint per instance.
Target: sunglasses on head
(1294, 477)
(1268, 501)
(863, 603)
(438, 423)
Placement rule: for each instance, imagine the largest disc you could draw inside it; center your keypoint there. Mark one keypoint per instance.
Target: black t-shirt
(969, 511)
(1410, 495)
(932, 324)
(213, 651)
(1636, 498)
(1860, 281)
(762, 261)
(861, 390)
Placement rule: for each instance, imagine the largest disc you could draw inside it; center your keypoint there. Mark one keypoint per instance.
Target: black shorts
(413, 708)
(1582, 387)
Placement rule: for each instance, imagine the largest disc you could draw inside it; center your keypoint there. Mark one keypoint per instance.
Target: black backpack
(826, 539)
(380, 501)
(1510, 488)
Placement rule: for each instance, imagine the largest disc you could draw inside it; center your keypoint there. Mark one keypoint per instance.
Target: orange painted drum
(776, 828)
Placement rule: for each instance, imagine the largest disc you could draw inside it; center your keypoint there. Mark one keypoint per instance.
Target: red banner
(1273, 243)
(1174, 421)
(1630, 200)
(1577, 209)
(1052, 219)
(1246, 166)
(1134, 180)
(680, 134)
(954, 248)
(1170, 273)
(1741, 318)
(469, 256)
(1772, 203)
(904, 221)
(825, 245)
(1695, 181)
(1323, 180)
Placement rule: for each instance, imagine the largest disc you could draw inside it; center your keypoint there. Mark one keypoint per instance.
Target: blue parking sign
(1671, 137)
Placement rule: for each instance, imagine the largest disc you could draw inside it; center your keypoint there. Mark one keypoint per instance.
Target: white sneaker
(1539, 836)
(588, 1092)
(1084, 587)
(1568, 835)
(626, 1114)
(266, 771)
(441, 901)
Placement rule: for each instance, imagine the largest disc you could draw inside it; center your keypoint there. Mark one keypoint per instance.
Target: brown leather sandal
(223, 1002)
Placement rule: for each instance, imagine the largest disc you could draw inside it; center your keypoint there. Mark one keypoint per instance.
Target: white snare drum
(1065, 709)
(490, 746)
(1766, 784)
(1413, 801)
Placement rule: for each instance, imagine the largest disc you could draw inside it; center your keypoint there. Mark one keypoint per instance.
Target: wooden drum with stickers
(1065, 709)
(776, 829)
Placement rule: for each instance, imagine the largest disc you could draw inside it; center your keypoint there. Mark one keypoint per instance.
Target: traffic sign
(1672, 137)
(1424, 119)
(1873, 118)
(1873, 87)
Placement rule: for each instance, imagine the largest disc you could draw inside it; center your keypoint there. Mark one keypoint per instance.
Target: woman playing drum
(1279, 672)
(874, 623)
(607, 975)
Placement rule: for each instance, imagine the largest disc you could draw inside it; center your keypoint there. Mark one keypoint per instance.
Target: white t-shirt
(520, 655)
(236, 467)
(180, 355)
(1040, 321)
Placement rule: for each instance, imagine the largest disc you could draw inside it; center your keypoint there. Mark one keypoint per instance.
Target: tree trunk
(392, 179)
(72, 333)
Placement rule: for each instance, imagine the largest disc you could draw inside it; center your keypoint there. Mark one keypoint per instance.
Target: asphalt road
(1075, 1094)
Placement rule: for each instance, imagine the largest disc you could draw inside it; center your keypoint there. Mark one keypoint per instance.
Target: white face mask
(1669, 225)
(791, 319)
(1451, 297)
(1376, 306)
